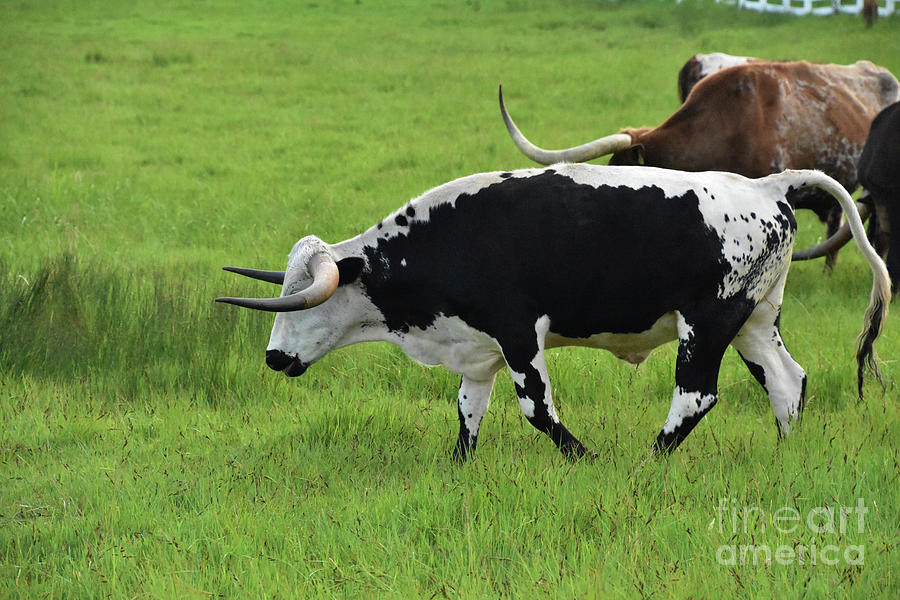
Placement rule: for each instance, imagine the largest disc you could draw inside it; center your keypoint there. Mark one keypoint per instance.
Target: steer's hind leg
(760, 345)
(474, 398)
(701, 345)
(525, 359)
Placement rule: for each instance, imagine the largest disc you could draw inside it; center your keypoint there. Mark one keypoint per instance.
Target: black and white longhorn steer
(492, 269)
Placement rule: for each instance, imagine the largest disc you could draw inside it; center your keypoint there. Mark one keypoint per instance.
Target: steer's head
(634, 154)
(312, 313)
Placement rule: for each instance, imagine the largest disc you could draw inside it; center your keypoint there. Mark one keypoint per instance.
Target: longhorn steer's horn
(325, 276)
(591, 150)
(836, 241)
(270, 276)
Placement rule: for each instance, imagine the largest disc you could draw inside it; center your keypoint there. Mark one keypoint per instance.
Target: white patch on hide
(684, 405)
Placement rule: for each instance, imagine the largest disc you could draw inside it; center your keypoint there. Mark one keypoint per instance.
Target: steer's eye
(297, 286)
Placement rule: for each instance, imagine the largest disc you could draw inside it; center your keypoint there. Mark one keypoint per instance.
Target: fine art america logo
(816, 527)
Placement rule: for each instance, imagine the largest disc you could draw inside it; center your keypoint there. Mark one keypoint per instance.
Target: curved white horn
(325, 276)
(270, 276)
(584, 152)
(836, 241)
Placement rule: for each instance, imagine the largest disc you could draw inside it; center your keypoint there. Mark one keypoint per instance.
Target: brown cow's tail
(876, 313)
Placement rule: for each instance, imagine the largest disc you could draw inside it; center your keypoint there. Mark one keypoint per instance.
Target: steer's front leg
(701, 345)
(529, 373)
(474, 399)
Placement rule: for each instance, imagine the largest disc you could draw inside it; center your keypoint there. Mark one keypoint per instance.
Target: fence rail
(814, 7)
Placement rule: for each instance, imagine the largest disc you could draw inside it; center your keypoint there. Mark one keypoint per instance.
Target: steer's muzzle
(287, 364)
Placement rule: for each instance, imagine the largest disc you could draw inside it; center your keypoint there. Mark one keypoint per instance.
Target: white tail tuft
(876, 313)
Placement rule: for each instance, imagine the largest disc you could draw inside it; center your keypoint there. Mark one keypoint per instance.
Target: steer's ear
(638, 150)
(349, 269)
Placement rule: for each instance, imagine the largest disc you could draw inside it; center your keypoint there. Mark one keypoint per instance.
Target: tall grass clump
(83, 322)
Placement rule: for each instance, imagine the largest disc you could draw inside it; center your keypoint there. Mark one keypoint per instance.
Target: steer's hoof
(576, 452)
(460, 455)
(663, 446)
(587, 457)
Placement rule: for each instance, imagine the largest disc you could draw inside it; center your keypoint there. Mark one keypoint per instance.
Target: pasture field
(147, 451)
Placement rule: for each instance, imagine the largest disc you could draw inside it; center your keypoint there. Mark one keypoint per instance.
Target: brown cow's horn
(325, 281)
(591, 150)
(836, 241)
(270, 276)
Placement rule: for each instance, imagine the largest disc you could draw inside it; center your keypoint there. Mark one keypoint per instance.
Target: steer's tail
(876, 313)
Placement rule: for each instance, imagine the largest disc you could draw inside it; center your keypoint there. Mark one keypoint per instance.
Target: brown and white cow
(755, 119)
(702, 65)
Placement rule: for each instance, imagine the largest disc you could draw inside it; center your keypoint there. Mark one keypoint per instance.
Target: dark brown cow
(870, 12)
(879, 174)
(755, 119)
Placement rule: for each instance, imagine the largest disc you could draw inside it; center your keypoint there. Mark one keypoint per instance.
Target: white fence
(814, 7)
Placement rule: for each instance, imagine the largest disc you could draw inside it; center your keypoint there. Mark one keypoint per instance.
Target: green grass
(146, 450)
